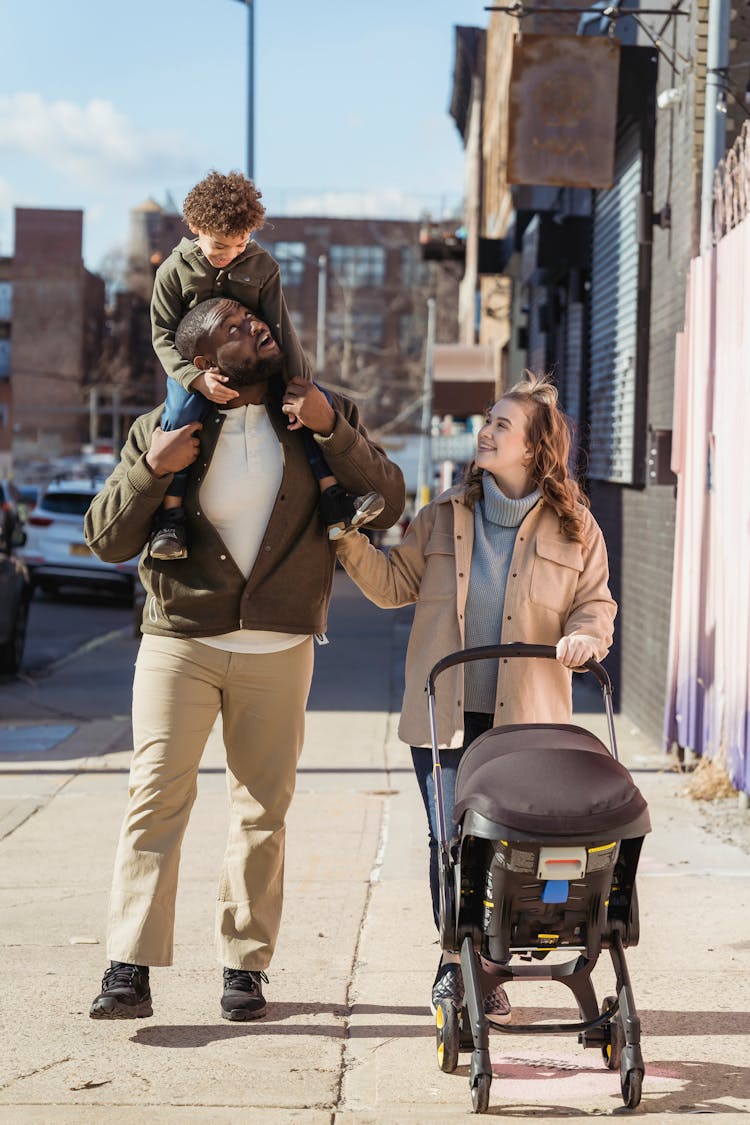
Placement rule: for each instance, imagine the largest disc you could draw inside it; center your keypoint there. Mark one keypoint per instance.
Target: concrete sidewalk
(349, 1037)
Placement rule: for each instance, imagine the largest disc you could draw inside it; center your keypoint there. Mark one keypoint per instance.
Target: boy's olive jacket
(289, 587)
(186, 278)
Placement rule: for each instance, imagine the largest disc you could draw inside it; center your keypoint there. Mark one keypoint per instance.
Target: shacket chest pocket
(439, 578)
(556, 568)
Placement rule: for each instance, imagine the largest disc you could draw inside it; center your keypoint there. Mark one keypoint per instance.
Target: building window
(3, 416)
(6, 300)
(291, 259)
(358, 266)
(415, 272)
(361, 329)
(411, 332)
(4, 351)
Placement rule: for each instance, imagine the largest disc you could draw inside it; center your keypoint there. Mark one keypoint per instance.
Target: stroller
(550, 828)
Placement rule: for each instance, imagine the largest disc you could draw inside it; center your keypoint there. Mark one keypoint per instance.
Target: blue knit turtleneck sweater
(496, 521)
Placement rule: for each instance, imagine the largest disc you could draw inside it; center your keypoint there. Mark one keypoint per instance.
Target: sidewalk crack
(37, 1070)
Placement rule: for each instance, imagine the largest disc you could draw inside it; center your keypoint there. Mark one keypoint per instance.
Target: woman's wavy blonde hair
(548, 433)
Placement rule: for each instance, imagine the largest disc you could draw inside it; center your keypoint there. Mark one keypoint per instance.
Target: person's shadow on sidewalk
(200, 1035)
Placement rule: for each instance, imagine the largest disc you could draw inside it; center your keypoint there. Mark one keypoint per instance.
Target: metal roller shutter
(614, 317)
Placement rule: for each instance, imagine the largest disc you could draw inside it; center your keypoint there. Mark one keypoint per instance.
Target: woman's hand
(575, 650)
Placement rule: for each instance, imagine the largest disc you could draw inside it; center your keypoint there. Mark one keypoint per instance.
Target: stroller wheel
(480, 1093)
(447, 1036)
(631, 1088)
(615, 1037)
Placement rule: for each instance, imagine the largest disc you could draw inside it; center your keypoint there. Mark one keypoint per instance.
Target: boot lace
(244, 980)
(119, 975)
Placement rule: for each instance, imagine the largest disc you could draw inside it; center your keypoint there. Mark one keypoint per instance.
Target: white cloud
(387, 204)
(87, 143)
(6, 225)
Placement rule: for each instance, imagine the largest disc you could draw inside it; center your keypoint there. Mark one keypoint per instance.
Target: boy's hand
(211, 385)
(173, 450)
(307, 404)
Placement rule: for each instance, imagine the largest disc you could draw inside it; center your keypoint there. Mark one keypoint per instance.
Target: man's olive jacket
(206, 594)
(186, 278)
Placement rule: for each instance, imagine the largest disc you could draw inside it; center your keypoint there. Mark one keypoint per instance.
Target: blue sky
(104, 104)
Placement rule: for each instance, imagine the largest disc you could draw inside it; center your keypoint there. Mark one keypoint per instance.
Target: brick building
(372, 286)
(6, 413)
(54, 327)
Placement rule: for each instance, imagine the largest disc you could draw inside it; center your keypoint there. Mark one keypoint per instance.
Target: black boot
(343, 512)
(125, 993)
(243, 996)
(169, 536)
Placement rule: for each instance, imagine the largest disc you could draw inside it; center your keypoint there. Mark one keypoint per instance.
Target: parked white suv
(56, 553)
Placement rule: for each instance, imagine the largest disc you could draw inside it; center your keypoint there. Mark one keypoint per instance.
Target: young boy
(223, 212)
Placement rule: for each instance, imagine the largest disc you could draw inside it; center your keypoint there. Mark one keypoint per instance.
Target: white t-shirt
(237, 496)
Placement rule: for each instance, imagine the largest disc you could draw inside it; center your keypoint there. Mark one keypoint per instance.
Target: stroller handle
(486, 652)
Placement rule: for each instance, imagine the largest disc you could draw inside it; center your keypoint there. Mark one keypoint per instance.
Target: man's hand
(173, 450)
(211, 385)
(575, 650)
(306, 403)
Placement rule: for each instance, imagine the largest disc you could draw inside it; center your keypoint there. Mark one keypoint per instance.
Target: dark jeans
(475, 723)
(183, 407)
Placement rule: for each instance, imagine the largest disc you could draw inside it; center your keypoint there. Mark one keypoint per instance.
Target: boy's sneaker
(243, 996)
(125, 993)
(448, 985)
(169, 536)
(497, 1005)
(343, 512)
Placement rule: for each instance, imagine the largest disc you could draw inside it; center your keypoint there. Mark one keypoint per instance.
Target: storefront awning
(463, 379)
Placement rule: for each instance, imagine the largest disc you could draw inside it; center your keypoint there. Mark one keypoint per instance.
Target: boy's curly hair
(224, 205)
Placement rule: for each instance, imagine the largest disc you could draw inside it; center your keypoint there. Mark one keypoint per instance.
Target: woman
(512, 554)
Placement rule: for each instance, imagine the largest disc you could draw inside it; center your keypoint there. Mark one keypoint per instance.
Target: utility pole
(424, 471)
(116, 422)
(250, 5)
(714, 129)
(93, 417)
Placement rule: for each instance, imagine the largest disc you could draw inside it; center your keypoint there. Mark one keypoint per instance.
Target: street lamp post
(320, 339)
(424, 469)
(250, 5)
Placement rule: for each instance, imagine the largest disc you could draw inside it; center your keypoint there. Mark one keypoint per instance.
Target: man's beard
(247, 374)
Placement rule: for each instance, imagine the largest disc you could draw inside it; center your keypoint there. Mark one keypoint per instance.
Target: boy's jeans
(181, 408)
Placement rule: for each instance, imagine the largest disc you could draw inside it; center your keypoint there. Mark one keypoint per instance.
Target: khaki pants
(179, 689)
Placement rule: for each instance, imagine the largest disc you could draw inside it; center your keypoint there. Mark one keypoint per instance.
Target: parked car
(56, 552)
(15, 595)
(10, 517)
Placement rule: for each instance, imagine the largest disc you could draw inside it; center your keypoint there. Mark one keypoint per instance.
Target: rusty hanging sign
(562, 111)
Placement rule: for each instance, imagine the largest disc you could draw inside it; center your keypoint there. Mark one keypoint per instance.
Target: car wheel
(11, 653)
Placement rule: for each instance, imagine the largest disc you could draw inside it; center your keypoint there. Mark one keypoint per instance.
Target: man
(228, 630)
